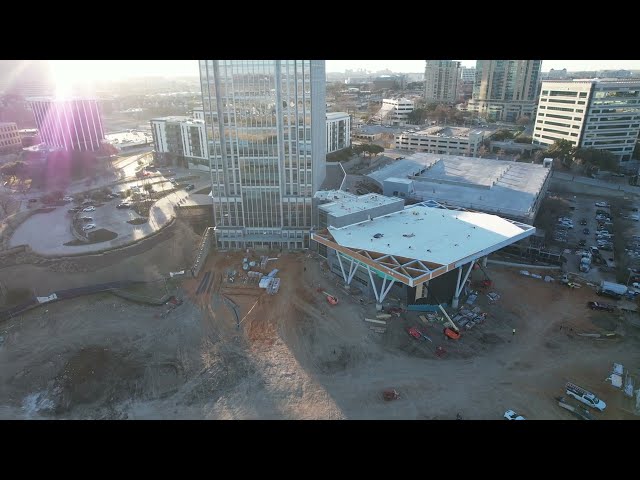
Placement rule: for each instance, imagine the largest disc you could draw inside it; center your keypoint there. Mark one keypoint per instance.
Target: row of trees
(591, 157)
(369, 148)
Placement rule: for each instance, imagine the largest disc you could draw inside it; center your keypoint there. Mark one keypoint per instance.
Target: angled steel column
(344, 275)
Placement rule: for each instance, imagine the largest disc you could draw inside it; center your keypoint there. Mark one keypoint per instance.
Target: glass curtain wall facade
(266, 134)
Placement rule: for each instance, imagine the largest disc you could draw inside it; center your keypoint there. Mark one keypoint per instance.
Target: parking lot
(602, 224)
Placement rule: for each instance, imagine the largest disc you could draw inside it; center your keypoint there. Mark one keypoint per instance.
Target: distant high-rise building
(441, 81)
(468, 74)
(71, 124)
(338, 131)
(505, 89)
(266, 129)
(602, 114)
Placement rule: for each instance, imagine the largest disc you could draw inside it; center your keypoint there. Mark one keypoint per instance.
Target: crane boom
(449, 318)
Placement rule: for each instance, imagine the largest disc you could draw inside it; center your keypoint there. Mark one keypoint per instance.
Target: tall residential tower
(266, 132)
(505, 89)
(441, 81)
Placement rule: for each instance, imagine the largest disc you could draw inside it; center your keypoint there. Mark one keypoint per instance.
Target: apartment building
(338, 131)
(441, 81)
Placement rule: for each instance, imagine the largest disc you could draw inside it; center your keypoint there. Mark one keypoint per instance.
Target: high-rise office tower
(505, 89)
(266, 132)
(72, 124)
(441, 81)
(602, 114)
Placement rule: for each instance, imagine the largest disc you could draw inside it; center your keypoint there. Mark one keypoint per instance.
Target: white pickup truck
(585, 396)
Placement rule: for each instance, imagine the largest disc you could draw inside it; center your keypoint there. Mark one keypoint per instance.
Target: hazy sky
(68, 70)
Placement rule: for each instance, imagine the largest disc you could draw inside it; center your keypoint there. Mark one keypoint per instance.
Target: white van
(585, 396)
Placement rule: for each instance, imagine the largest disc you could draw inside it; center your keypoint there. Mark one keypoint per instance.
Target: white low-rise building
(394, 111)
(442, 140)
(338, 131)
(179, 140)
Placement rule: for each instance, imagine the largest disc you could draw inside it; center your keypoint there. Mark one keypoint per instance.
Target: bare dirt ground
(297, 357)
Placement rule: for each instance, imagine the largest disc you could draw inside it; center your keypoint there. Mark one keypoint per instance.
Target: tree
(562, 149)
(375, 149)
(594, 157)
(148, 188)
(9, 169)
(523, 139)
(540, 155)
(523, 120)
(501, 135)
(417, 116)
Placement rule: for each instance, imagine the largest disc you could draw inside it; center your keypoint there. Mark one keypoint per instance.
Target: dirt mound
(95, 375)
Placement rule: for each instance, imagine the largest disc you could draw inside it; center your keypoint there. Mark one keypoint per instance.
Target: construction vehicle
(330, 298)
(390, 394)
(453, 333)
(487, 282)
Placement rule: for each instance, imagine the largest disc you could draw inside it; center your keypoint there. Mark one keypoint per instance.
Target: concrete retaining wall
(203, 251)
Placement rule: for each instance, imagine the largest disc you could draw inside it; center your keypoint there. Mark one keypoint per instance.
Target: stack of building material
(274, 286)
(493, 297)
(265, 282)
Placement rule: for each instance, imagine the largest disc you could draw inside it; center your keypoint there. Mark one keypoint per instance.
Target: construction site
(234, 343)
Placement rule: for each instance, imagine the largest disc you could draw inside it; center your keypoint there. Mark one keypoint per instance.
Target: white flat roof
(502, 187)
(348, 203)
(406, 181)
(435, 235)
(336, 115)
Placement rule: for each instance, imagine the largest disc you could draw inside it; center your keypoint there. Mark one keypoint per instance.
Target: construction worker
(514, 331)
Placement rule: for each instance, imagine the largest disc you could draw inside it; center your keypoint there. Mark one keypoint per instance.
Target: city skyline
(96, 70)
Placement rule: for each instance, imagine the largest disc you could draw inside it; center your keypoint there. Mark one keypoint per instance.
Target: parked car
(511, 415)
(33, 200)
(89, 226)
(191, 186)
(602, 204)
(123, 205)
(89, 209)
(601, 306)
(87, 219)
(74, 209)
(67, 199)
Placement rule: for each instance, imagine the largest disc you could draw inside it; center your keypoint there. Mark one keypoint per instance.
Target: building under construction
(422, 253)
